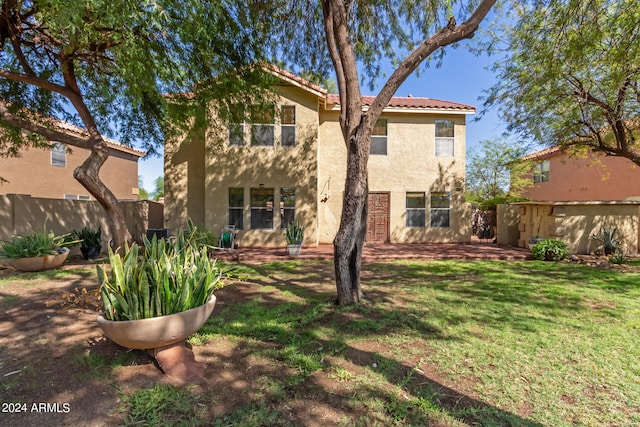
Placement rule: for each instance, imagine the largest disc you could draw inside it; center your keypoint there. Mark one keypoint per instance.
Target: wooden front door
(378, 218)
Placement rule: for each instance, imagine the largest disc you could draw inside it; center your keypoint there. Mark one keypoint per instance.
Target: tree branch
(449, 34)
(50, 134)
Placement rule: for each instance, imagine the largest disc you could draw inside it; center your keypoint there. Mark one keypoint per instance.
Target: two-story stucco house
(290, 163)
(564, 175)
(48, 173)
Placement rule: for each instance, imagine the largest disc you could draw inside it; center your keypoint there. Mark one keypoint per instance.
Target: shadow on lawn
(274, 311)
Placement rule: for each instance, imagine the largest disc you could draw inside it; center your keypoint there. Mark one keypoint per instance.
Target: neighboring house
(48, 173)
(562, 175)
(290, 163)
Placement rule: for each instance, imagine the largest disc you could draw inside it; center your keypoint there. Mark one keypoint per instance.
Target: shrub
(619, 257)
(550, 250)
(89, 238)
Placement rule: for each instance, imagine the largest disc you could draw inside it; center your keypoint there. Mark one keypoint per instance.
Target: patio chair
(228, 238)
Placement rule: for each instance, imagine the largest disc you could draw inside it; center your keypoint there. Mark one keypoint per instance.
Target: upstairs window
(236, 207)
(541, 171)
(416, 209)
(444, 138)
(236, 126)
(262, 208)
(58, 154)
(288, 125)
(287, 206)
(379, 138)
(262, 126)
(440, 209)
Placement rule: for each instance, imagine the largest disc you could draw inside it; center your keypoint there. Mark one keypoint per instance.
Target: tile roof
(410, 102)
(116, 145)
(543, 154)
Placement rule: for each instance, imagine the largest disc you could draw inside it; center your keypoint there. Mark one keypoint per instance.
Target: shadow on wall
(199, 172)
(20, 214)
(450, 181)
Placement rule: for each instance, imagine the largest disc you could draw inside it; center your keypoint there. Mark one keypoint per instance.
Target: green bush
(38, 243)
(89, 238)
(619, 257)
(169, 276)
(550, 250)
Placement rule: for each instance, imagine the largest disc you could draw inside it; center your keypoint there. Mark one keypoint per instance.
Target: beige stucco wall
(199, 170)
(410, 165)
(198, 175)
(32, 173)
(20, 214)
(574, 223)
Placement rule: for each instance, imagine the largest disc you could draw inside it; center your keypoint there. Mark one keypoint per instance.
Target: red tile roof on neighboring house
(543, 154)
(116, 145)
(410, 102)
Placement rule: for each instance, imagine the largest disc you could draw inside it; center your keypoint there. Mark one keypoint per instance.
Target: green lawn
(475, 343)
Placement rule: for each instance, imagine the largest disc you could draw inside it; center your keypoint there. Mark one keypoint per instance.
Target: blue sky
(462, 78)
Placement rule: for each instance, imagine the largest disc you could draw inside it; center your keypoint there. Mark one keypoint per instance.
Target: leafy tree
(494, 170)
(352, 33)
(158, 192)
(142, 193)
(107, 64)
(571, 75)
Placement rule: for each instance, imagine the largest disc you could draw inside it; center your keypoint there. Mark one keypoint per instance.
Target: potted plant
(607, 239)
(157, 295)
(294, 233)
(90, 242)
(40, 250)
(550, 250)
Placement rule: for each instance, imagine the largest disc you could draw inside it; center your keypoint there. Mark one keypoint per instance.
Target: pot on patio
(294, 250)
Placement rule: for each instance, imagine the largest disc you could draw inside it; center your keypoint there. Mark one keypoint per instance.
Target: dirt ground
(48, 331)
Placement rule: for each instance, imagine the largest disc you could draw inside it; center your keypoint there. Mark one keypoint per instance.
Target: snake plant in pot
(158, 294)
(37, 251)
(294, 234)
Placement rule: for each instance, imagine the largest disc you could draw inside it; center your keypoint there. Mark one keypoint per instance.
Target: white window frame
(445, 145)
(287, 127)
(542, 171)
(58, 154)
(422, 209)
(433, 210)
(380, 139)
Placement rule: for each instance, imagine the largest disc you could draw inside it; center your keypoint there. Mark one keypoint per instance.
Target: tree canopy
(108, 66)
(494, 170)
(571, 75)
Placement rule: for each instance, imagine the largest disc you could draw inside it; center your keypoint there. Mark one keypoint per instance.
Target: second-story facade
(290, 163)
(564, 175)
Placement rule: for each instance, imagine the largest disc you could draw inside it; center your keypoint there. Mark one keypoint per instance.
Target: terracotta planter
(157, 332)
(39, 263)
(294, 250)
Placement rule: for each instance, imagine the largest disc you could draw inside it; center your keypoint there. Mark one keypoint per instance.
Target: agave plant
(163, 277)
(607, 239)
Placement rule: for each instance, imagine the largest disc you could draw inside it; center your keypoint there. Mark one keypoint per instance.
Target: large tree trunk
(349, 240)
(88, 175)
